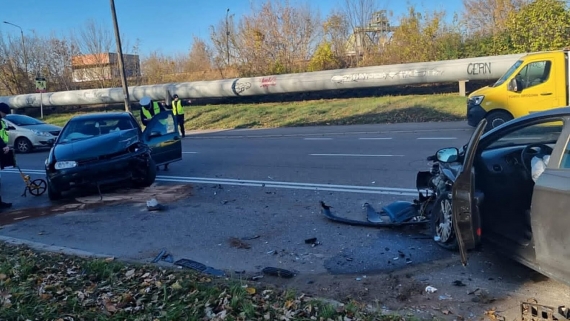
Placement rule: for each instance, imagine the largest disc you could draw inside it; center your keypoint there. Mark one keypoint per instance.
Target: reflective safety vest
(177, 108)
(4, 132)
(156, 109)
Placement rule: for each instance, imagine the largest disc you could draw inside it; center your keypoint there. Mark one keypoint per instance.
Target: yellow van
(537, 82)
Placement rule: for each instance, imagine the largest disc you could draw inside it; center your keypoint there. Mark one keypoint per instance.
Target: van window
(508, 73)
(535, 73)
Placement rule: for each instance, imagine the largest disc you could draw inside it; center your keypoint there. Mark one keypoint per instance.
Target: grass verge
(40, 285)
(370, 110)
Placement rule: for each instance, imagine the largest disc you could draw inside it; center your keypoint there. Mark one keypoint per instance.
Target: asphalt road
(265, 186)
(282, 169)
(379, 155)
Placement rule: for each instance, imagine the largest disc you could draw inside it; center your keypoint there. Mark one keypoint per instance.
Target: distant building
(103, 66)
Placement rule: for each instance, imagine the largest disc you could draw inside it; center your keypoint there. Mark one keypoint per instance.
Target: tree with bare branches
(275, 38)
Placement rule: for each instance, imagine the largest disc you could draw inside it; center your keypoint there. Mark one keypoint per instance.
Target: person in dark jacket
(5, 149)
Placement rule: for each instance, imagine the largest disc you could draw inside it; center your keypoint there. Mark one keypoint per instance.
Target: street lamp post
(228, 36)
(121, 62)
(23, 46)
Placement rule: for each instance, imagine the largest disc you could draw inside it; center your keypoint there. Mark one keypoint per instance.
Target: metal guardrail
(481, 68)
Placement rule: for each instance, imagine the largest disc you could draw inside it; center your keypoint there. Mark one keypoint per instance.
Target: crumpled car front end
(97, 161)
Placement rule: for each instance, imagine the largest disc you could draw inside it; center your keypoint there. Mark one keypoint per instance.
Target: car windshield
(23, 120)
(80, 129)
(545, 133)
(508, 73)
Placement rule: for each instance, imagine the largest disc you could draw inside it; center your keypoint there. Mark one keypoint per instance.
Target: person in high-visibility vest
(4, 110)
(149, 109)
(178, 112)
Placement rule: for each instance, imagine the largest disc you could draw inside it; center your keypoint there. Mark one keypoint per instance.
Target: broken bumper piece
(399, 213)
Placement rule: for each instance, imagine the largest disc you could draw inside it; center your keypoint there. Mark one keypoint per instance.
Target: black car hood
(94, 147)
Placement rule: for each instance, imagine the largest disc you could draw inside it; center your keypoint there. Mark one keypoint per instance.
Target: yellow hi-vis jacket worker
(147, 112)
(178, 112)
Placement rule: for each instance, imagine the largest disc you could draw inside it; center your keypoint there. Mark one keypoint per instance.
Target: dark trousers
(180, 120)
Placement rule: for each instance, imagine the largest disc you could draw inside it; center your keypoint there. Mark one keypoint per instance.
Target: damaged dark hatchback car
(98, 149)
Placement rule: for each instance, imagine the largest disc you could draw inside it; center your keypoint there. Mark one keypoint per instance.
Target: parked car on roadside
(108, 148)
(509, 186)
(27, 133)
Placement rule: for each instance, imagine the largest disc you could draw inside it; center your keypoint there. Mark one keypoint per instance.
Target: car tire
(497, 118)
(441, 223)
(150, 175)
(53, 194)
(23, 145)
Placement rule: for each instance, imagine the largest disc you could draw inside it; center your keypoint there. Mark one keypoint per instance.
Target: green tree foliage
(283, 36)
(540, 25)
(324, 58)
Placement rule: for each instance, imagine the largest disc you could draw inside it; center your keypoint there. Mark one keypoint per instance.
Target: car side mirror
(514, 85)
(11, 128)
(447, 155)
(154, 134)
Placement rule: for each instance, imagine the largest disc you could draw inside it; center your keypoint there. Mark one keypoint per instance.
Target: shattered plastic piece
(430, 289)
(168, 258)
(396, 214)
(313, 241)
(159, 256)
(278, 272)
(153, 205)
(197, 266)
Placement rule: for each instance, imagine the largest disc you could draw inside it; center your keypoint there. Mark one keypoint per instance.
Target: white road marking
(437, 138)
(271, 184)
(317, 138)
(375, 138)
(356, 155)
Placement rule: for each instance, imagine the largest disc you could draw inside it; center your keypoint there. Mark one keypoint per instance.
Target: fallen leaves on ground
(60, 287)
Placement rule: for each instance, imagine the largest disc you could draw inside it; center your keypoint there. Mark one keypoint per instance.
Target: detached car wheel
(23, 145)
(442, 224)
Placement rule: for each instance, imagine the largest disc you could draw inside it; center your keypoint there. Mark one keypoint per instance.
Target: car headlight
(39, 133)
(477, 100)
(65, 164)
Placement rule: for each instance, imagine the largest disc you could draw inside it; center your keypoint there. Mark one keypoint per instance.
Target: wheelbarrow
(36, 187)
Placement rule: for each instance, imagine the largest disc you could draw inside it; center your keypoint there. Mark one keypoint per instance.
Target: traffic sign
(41, 84)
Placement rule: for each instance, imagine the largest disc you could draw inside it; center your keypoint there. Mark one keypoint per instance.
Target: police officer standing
(149, 109)
(178, 112)
(5, 149)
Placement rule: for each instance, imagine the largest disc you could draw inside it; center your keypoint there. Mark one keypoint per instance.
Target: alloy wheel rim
(443, 229)
(23, 146)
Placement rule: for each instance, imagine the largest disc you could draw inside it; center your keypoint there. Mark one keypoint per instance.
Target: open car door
(549, 212)
(466, 220)
(161, 134)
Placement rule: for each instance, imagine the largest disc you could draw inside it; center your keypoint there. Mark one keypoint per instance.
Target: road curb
(52, 248)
